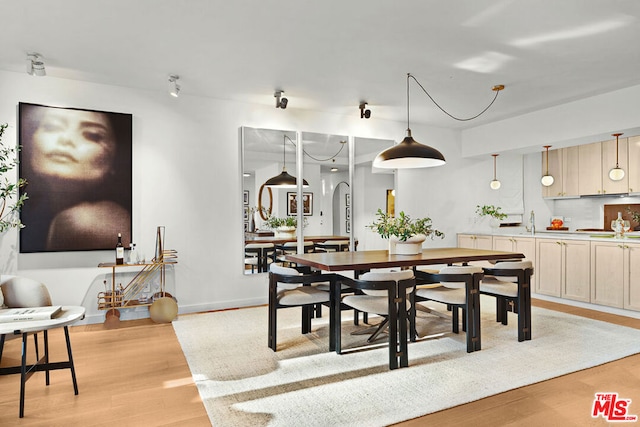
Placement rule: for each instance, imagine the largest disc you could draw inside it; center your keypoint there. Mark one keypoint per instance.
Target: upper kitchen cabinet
(634, 164)
(563, 166)
(590, 169)
(609, 161)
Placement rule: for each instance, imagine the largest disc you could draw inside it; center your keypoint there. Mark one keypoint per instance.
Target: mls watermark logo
(612, 408)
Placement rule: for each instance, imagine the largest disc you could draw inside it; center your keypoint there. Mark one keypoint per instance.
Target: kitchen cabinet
(633, 144)
(609, 161)
(524, 245)
(615, 274)
(563, 166)
(590, 169)
(561, 268)
(474, 241)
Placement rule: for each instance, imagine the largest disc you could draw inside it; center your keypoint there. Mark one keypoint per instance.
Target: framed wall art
(245, 198)
(292, 203)
(78, 164)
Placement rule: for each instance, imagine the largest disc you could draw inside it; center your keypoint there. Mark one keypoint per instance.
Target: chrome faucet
(532, 223)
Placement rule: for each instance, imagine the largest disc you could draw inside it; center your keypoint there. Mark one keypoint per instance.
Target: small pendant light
(617, 173)
(495, 184)
(547, 180)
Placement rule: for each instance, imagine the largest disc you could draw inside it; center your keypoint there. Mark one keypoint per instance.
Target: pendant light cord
(342, 144)
(496, 88)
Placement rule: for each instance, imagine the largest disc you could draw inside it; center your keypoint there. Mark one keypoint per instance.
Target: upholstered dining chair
(332, 246)
(510, 283)
(387, 294)
(292, 248)
(295, 287)
(458, 290)
(22, 292)
(259, 256)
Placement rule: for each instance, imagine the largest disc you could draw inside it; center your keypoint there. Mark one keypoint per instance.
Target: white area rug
(243, 383)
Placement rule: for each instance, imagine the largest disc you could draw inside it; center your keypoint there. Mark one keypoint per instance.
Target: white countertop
(633, 236)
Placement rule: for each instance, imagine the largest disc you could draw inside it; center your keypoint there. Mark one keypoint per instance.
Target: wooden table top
(280, 240)
(364, 260)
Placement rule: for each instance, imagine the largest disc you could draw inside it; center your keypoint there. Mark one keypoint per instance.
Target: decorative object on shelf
(620, 226)
(9, 213)
(284, 180)
(292, 203)
(411, 154)
(494, 184)
(617, 173)
(402, 230)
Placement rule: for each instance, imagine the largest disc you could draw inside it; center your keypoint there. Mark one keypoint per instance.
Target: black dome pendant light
(284, 180)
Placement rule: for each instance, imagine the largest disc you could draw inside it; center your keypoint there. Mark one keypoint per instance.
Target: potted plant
(9, 190)
(283, 227)
(493, 212)
(635, 215)
(405, 234)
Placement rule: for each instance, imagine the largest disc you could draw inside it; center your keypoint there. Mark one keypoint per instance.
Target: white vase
(411, 246)
(285, 232)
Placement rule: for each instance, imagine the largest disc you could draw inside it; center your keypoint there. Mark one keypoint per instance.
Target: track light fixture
(174, 87)
(35, 65)
(364, 114)
(281, 102)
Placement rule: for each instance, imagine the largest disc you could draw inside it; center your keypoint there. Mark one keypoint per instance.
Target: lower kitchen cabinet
(562, 268)
(615, 274)
(523, 245)
(475, 241)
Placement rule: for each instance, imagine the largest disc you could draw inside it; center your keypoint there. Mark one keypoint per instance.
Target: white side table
(67, 316)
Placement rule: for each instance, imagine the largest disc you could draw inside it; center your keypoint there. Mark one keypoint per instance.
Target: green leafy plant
(635, 215)
(288, 221)
(490, 210)
(403, 226)
(9, 217)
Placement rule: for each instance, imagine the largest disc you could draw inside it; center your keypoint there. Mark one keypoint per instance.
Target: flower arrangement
(635, 215)
(490, 210)
(403, 227)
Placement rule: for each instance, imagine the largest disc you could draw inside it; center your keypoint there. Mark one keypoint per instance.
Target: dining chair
(23, 292)
(387, 294)
(288, 248)
(259, 256)
(294, 287)
(510, 283)
(332, 246)
(459, 290)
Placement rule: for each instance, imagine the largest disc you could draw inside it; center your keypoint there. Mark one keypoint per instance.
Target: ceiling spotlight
(281, 102)
(364, 114)
(35, 65)
(174, 87)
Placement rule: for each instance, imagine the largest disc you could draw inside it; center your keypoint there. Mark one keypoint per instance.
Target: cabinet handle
(559, 243)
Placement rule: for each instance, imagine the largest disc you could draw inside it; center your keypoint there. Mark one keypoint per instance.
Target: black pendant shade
(409, 154)
(284, 180)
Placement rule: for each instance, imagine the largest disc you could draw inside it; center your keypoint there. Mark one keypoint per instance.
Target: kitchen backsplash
(589, 212)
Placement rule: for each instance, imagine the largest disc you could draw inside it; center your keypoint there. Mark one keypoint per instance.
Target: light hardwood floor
(137, 376)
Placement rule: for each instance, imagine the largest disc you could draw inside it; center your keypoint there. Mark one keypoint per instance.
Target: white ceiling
(329, 55)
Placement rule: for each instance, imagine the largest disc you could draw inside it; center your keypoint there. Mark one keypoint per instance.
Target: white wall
(187, 177)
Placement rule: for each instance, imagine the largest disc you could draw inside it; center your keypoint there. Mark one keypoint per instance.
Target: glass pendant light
(495, 184)
(284, 180)
(617, 173)
(547, 180)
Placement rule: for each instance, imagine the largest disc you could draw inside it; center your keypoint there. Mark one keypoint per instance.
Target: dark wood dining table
(361, 261)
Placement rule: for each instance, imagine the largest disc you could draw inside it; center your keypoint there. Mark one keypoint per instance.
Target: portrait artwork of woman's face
(78, 167)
